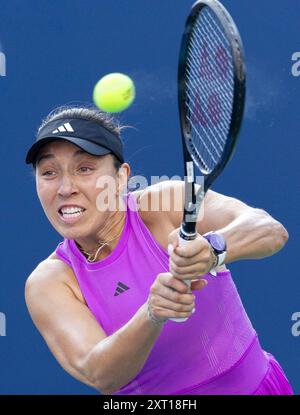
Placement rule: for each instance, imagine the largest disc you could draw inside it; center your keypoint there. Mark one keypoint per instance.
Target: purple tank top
(186, 355)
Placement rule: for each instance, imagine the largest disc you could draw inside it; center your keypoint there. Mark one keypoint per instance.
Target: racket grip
(182, 242)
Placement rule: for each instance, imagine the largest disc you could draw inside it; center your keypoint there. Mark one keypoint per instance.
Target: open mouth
(71, 213)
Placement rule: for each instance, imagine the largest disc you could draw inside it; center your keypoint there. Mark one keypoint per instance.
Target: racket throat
(191, 210)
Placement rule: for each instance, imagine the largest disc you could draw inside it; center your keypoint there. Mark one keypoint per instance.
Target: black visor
(86, 134)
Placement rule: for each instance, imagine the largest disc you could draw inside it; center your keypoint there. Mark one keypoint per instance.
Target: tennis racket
(211, 97)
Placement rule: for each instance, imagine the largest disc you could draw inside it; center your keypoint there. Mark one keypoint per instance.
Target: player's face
(69, 176)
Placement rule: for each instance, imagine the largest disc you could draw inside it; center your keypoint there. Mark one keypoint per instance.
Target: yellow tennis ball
(114, 92)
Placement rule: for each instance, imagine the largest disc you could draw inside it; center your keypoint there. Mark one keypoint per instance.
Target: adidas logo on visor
(63, 129)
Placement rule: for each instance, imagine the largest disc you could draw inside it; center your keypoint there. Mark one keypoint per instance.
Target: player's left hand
(191, 261)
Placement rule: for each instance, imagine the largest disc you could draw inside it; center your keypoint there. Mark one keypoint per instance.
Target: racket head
(211, 88)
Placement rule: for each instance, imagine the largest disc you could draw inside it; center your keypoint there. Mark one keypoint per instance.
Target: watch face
(217, 242)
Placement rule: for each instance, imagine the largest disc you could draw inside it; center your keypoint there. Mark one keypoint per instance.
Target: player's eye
(85, 169)
(48, 173)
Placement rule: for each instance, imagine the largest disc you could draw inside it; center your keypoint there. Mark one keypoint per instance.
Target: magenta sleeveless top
(216, 351)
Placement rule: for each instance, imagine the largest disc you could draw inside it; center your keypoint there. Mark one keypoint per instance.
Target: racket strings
(209, 82)
(221, 66)
(215, 142)
(219, 44)
(208, 74)
(222, 93)
(194, 88)
(206, 91)
(218, 140)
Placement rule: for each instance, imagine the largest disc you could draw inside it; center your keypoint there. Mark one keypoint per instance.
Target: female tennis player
(105, 299)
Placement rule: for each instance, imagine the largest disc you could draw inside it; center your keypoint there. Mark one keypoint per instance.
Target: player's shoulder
(170, 190)
(156, 201)
(165, 198)
(52, 274)
(158, 194)
(48, 273)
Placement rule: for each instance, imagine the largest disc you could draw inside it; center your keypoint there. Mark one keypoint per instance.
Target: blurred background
(55, 52)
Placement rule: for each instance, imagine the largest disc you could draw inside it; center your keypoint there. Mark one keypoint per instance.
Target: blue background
(56, 50)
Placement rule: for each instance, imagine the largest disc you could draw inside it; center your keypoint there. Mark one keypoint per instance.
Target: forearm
(252, 235)
(119, 358)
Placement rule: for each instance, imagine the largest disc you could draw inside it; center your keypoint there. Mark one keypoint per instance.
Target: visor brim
(85, 145)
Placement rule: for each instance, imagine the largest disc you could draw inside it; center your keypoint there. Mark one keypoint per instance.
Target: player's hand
(171, 298)
(191, 260)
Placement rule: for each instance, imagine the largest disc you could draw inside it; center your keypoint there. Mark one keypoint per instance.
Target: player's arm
(251, 233)
(77, 340)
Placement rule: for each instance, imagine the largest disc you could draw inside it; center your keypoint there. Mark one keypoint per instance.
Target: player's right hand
(171, 298)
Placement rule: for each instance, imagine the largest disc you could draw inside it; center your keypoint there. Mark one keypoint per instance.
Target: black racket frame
(193, 199)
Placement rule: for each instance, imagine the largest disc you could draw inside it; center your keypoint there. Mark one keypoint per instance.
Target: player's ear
(123, 176)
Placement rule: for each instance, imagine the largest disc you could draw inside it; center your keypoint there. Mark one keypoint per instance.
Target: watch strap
(221, 258)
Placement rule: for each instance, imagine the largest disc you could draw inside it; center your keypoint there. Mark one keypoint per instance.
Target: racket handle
(182, 242)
